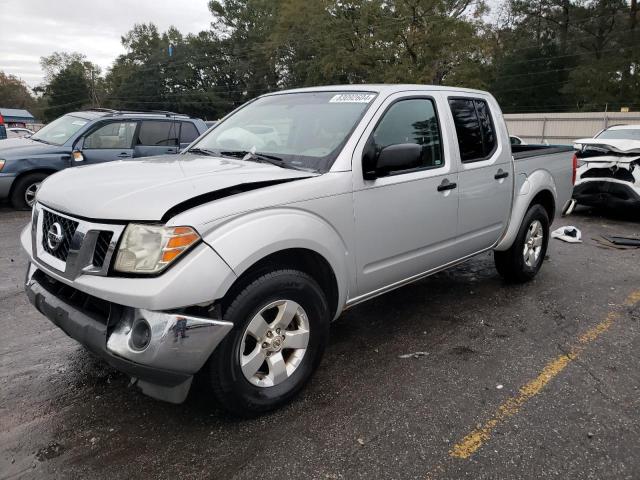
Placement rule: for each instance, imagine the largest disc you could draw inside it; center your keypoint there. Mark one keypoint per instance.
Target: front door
(110, 141)
(405, 221)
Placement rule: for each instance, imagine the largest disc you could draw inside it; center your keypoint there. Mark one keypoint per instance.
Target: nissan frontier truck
(231, 259)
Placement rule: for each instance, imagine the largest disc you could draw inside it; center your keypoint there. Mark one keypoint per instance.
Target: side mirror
(77, 156)
(393, 158)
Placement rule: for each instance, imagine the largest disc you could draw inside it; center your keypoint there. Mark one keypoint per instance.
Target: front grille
(94, 307)
(619, 174)
(67, 229)
(102, 245)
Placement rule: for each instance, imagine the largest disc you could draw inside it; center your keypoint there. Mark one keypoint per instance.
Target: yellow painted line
(478, 437)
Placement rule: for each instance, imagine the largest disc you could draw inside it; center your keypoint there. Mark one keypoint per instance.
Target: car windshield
(303, 130)
(621, 134)
(60, 130)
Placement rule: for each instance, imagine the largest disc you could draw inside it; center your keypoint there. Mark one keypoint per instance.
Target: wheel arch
(21, 175)
(537, 188)
(302, 259)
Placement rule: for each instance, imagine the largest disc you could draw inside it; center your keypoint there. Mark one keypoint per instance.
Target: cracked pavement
(368, 413)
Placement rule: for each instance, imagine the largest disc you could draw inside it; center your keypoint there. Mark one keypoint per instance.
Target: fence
(564, 128)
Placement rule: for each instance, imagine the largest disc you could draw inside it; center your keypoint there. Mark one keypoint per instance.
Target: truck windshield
(60, 130)
(303, 130)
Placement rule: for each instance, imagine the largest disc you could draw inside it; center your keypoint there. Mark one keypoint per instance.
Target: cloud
(35, 28)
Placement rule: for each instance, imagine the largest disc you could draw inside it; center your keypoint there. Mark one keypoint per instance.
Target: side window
(111, 135)
(412, 121)
(188, 132)
(474, 127)
(156, 133)
(486, 124)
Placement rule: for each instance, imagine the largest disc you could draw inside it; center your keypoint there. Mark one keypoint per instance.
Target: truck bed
(556, 160)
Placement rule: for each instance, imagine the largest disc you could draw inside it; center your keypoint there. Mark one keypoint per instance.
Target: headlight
(151, 248)
(1, 164)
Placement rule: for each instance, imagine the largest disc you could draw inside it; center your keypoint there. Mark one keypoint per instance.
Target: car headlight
(1, 164)
(151, 248)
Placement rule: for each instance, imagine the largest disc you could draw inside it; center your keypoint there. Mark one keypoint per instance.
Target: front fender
(246, 239)
(527, 187)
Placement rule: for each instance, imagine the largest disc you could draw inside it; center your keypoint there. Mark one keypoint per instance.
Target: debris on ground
(361, 441)
(621, 243)
(624, 241)
(568, 234)
(414, 355)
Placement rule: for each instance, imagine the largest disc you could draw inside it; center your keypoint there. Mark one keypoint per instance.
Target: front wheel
(281, 327)
(23, 195)
(521, 262)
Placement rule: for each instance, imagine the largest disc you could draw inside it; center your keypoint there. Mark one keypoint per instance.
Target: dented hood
(611, 144)
(147, 188)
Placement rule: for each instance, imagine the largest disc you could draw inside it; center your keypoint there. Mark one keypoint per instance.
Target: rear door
(109, 141)
(157, 137)
(405, 221)
(485, 177)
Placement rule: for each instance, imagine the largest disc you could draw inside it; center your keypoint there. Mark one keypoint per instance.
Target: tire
(246, 395)
(23, 185)
(517, 265)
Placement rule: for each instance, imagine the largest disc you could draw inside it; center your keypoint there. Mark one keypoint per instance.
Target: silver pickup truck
(231, 259)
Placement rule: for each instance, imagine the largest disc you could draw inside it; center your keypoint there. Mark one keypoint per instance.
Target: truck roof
(380, 88)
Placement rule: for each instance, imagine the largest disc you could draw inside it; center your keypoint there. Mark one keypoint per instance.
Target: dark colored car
(83, 138)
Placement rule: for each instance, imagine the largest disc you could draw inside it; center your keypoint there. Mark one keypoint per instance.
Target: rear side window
(188, 132)
(412, 121)
(158, 133)
(474, 128)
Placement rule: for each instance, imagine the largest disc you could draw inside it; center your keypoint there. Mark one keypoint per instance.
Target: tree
(67, 91)
(14, 93)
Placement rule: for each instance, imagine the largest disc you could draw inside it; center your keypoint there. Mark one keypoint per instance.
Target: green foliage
(539, 55)
(14, 93)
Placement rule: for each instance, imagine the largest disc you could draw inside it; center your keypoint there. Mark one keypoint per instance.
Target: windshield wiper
(40, 140)
(257, 157)
(204, 151)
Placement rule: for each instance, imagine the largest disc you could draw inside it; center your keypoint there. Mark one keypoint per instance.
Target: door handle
(446, 185)
(124, 155)
(501, 174)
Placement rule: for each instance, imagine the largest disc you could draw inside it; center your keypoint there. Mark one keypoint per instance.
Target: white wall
(564, 128)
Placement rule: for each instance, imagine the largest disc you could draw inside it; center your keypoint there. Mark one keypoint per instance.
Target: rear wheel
(23, 195)
(521, 262)
(281, 326)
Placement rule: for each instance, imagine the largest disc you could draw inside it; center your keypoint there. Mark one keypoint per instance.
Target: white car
(19, 132)
(608, 171)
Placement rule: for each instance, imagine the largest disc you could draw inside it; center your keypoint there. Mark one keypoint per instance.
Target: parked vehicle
(211, 123)
(3, 129)
(609, 168)
(83, 138)
(19, 132)
(232, 258)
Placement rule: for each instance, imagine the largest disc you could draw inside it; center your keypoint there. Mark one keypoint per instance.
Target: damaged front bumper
(607, 193)
(160, 350)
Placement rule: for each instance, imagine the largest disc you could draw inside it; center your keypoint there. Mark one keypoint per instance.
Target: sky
(30, 29)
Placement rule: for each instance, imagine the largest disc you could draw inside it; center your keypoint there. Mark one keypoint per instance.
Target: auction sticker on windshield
(352, 98)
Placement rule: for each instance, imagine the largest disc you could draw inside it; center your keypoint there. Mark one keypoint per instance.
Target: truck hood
(147, 188)
(18, 148)
(611, 144)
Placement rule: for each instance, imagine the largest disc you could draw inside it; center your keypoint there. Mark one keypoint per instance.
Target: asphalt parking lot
(532, 381)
